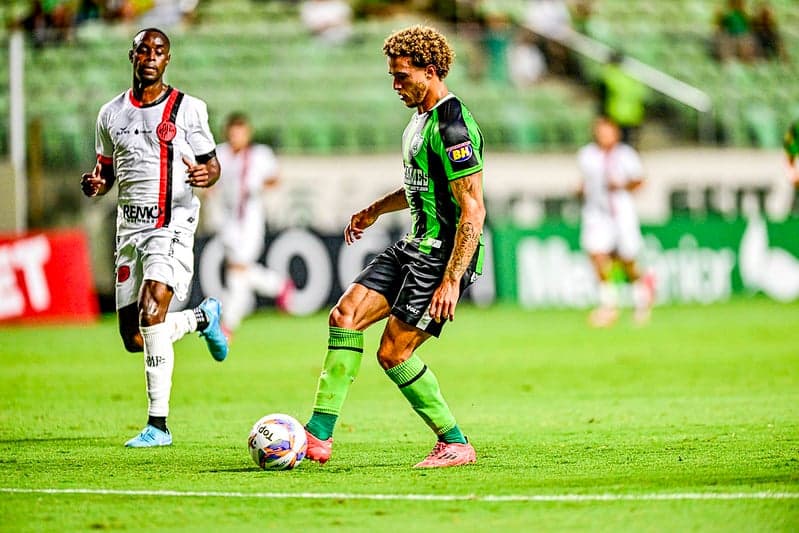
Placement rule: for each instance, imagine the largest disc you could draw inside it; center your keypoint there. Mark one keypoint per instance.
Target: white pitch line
(608, 497)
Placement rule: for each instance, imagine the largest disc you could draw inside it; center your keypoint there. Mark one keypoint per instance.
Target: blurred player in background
(791, 143)
(611, 171)
(416, 283)
(248, 170)
(156, 141)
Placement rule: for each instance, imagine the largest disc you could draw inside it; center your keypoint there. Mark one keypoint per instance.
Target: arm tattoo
(466, 240)
(467, 236)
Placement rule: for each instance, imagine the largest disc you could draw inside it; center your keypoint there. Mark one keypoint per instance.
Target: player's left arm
(632, 184)
(633, 170)
(204, 172)
(468, 192)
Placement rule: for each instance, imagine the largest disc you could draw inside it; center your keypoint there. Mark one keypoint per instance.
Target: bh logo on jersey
(460, 152)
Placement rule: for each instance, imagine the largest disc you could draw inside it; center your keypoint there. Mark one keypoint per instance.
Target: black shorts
(408, 278)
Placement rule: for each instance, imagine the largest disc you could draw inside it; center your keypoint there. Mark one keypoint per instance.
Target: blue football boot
(149, 437)
(213, 335)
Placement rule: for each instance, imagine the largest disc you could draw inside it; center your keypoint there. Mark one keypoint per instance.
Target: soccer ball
(277, 442)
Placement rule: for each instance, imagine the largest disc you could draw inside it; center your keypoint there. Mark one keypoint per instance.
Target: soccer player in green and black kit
(791, 144)
(417, 282)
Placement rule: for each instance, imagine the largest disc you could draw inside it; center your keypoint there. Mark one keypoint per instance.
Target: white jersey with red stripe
(619, 166)
(146, 143)
(609, 221)
(244, 174)
(239, 192)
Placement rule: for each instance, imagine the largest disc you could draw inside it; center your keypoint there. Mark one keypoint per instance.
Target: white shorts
(602, 233)
(165, 255)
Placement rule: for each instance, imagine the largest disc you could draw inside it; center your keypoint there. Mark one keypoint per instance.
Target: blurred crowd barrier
(716, 222)
(46, 277)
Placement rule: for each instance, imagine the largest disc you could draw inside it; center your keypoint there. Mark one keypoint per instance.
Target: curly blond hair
(424, 45)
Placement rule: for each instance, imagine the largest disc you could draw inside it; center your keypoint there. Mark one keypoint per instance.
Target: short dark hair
(153, 30)
(237, 118)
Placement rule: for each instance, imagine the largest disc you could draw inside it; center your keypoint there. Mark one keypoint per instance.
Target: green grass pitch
(702, 403)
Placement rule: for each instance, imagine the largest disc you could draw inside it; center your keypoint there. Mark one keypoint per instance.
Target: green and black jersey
(439, 146)
(791, 141)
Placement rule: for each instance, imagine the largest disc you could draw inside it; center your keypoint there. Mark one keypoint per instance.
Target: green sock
(453, 435)
(420, 387)
(321, 425)
(344, 352)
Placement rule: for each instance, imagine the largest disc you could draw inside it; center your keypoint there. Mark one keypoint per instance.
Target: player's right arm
(394, 201)
(99, 181)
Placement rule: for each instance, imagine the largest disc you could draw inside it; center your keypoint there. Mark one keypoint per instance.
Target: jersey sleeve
(199, 134)
(460, 142)
(103, 145)
(268, 166)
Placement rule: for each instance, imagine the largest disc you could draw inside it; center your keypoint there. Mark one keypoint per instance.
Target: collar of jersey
(160, 99)
(444, 99)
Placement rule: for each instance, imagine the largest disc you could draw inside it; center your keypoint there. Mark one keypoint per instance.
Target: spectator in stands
(526, 63)
(48, 22)
(124, 10)
(167, 13)
(89, 10)
(581, 11)
(496, 40)
(328, 20)
(767, 33)
(551, 21)
(621, 98)
(734, 38)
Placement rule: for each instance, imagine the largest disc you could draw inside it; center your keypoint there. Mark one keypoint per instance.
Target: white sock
(264, 281)
(181, 323)
(159, 360)
(238, 298)
(642, 295)
(608, 296)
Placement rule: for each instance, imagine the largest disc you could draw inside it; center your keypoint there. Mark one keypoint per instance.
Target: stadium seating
(752, 103)
(303, 97)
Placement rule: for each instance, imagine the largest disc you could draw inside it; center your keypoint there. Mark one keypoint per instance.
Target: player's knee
(390, 353)
(133, 342)
(389, 358)
(149, 319)
(340, 318)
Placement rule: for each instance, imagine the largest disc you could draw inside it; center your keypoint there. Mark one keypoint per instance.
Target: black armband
(203, 159)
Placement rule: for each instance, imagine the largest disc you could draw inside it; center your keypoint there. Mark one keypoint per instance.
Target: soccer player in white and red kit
(155, 141)
(249, 169)
(610, 232)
